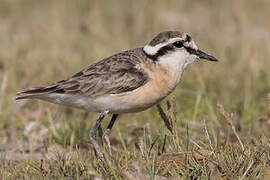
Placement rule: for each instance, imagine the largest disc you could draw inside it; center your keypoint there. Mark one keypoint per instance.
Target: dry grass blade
(2, 89)
(163, 145)
(165, 118)
(152, 145)
(268, 100)
(181, 157)
(228, 118)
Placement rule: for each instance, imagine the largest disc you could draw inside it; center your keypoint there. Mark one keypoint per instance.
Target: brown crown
(164, 37)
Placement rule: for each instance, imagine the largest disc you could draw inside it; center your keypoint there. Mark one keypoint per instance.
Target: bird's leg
(92, 134)
(100, 132)
(108, 130)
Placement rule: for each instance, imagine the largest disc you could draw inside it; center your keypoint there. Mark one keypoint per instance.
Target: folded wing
(114, 75)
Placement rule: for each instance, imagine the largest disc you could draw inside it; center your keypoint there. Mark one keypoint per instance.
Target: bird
(127, 82)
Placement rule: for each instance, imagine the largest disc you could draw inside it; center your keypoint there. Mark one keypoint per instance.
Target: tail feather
(35, 92)
(20, 96)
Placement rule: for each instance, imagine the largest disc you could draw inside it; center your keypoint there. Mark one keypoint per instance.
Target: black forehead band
(188, 38)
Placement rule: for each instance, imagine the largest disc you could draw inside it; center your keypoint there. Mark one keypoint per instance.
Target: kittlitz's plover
(130, 81)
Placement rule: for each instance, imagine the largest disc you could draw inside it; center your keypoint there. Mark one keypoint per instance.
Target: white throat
(178, 61)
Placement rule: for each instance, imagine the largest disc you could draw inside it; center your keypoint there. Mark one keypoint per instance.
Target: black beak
(203, 55)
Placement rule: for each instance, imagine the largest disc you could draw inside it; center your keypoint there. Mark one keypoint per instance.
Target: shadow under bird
(130, 81)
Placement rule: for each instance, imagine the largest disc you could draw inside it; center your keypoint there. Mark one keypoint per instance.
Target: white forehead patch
(152, 50)
(191, 44)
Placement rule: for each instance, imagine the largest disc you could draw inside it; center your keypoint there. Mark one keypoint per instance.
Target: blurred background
(45, 41)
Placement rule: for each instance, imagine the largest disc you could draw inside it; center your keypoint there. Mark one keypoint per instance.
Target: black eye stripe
(191, 51)
(171, 47)
(162, 51)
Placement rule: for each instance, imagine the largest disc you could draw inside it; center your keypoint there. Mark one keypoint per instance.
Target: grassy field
(219, 114)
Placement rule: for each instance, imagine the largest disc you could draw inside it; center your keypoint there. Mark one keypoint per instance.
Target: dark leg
(92, 134)
(100, 132)
(109, 128)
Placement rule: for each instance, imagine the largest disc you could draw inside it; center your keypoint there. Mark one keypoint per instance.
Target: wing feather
(114, 75)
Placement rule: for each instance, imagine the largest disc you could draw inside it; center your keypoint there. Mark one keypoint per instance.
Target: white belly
(125, 103)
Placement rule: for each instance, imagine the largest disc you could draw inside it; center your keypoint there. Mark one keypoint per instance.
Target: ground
(219, 115)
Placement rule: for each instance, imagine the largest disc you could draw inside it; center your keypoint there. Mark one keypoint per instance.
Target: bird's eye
(178, 44)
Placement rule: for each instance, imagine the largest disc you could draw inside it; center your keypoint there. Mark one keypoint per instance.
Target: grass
(219, 116)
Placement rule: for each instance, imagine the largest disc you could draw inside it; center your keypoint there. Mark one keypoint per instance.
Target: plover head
(175, 49)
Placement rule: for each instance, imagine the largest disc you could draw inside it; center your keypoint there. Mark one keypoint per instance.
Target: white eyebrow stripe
(152, 50)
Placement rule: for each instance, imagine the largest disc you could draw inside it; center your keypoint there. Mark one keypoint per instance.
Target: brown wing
(114, 75)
